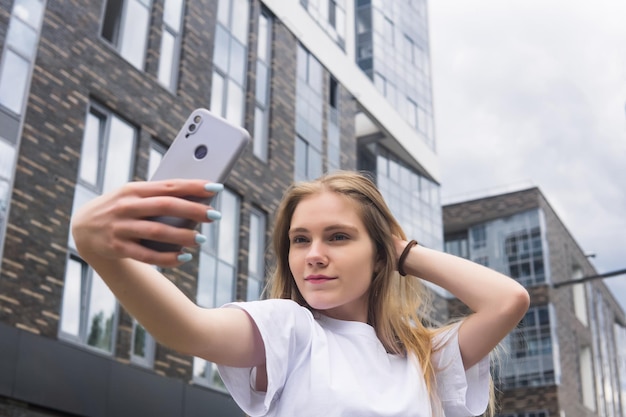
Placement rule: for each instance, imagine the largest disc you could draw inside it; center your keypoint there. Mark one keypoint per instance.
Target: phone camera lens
(197, 119)
(192, 127)
(200, 152)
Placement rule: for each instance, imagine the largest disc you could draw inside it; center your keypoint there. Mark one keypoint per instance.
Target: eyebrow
(330, 228)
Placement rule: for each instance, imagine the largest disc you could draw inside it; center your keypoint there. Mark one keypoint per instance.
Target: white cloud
(534, 93)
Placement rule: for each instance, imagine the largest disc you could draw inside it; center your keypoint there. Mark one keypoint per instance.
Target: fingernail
(200, 239)
(213, 215)
(214, 187)
(184, 257)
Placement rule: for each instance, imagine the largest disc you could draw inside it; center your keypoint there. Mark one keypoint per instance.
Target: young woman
(342, 333)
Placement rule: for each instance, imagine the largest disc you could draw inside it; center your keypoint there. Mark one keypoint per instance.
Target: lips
(319, 279)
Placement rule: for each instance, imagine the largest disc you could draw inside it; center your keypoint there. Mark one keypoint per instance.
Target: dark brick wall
(75, 67)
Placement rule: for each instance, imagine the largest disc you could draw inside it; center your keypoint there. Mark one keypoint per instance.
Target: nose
(316, 256)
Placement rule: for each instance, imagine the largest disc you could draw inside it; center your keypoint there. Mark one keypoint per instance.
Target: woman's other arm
(498, 302)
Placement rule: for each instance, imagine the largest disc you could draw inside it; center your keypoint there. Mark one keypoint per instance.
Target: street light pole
(590, 278)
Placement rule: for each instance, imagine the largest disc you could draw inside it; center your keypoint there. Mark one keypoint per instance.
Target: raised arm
(107, 231)
(498, 302)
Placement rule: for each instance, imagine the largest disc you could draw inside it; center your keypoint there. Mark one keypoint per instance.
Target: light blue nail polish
(184, 257)
(200, 239)
(213, 215)
(214, 187)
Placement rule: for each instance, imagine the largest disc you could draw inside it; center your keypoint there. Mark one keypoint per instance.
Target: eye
(339, 237)
(299, 239)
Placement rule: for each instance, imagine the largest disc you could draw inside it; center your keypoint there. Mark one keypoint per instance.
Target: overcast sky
(533, 93)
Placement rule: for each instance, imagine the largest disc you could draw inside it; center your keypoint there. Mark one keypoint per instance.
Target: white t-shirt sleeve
(285, 328)
(462, 393)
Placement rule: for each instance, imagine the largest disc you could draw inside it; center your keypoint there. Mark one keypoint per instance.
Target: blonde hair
(397, 305)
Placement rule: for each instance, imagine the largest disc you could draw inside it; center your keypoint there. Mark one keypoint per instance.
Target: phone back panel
(207, 148)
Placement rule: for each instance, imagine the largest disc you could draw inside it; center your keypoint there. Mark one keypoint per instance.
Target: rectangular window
(7, 163)
(586, 378)
(529, 360)
(333, 145)
(89, 309)
(524, 256)
(230, 60)
(19, 53)
(217, 272)
(309, 105)
(330, 15)
(263, 83)
(125, 25)
(256, 255)
(171, 39)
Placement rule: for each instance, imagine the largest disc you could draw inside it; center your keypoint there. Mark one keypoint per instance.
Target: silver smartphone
(206, 147)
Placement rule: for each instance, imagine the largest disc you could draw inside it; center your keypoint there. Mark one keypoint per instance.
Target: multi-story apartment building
(566, 358)
(91, 95)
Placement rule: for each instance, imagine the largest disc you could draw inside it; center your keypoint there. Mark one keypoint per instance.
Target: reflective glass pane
(22, 38)
(70, 312)
(29, 11)
(166, 59)
(223, 12)
(172, 14)
(201, 368)
(221, 51)
(228, 230)
(154, 159)
(254, 290)
(135, 33)
(262, 45)
(315, 163)
(235, 104)
(239, 27)
(7, 153)
(4, 202)
(261, 83)
(206, 281)
(254, 251)
(101, 317)
(119, 155)
(260, 133)
(90, 153)
(217, 94)
(13, 81)
(139, 340)
(300, 159)
(315, 74)
(225, 284)
(237, 66)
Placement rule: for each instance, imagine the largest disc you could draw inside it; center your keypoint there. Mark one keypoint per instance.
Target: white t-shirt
(322, 367)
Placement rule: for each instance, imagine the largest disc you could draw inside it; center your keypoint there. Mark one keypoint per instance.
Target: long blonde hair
(397, 305)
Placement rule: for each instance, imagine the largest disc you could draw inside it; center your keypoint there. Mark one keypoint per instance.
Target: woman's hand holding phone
(113, 225)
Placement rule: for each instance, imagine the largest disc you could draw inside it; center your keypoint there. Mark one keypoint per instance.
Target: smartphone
(206, 147)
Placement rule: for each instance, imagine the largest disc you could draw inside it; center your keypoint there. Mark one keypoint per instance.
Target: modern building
(566, 358)
(91, 95)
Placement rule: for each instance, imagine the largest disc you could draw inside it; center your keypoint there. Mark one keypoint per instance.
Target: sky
(533, 93)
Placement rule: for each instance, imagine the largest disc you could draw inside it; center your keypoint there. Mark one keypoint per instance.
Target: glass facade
(330, 15)
(383, 29)
(171, 38)
(263, 86)
(413, 199)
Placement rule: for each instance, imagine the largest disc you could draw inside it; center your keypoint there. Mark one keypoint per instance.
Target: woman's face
(331, 256)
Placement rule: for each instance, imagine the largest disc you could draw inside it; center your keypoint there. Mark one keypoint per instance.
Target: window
(7, 161)
(217, 272)
(586, 378)
(143, 345)
(263, 83)
(170, 42)
(333, 146)
(309, 103)
(19, 53)
(230, 60)
(524, 254)
(580, 298)
(529, 360)
(330, 15)
(125, 26)
(256, 255)
(457, 246)
(89, 309)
